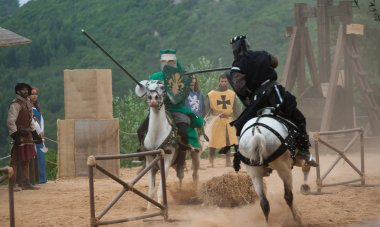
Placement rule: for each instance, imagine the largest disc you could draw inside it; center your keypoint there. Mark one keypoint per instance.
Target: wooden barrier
(341, 154)
(95, 220)
(89, 127)
(80, 138)
(8, 171)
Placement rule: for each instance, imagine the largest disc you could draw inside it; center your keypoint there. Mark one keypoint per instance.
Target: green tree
(373, 8)
(8, 7)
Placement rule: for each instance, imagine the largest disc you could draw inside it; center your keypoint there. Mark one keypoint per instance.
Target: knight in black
(254, 79)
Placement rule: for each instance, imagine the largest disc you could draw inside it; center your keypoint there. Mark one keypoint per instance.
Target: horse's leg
(211, 157)
(195, 164)
(256, 173)
(284, 170)
(181, 162)
(152, 179)
(305, 188)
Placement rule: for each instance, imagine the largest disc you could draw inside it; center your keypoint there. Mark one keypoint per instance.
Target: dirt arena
(65, 202)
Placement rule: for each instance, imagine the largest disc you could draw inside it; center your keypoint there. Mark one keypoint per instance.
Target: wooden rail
(341, 154)
(6, 173)
(95, 220)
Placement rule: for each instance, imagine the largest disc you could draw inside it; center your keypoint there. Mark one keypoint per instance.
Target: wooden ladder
(361, 79)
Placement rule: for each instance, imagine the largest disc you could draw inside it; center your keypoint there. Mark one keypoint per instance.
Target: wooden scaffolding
(328, 101)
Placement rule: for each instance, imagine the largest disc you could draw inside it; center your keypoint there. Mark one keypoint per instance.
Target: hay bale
(228, 190)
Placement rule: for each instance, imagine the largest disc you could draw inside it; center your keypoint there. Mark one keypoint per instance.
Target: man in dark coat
(254, 79)
(20, 128)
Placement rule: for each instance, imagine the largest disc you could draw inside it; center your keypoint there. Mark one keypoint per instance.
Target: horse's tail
(258, 145)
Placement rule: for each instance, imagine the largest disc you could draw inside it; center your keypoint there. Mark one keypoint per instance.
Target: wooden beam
(286, 74)
(311, 60)
(309, 12)
(323, 26)
(300, 72)
(334, 11)
(331, 92)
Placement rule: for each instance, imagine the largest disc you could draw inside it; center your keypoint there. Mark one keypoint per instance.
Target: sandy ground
(65, 202)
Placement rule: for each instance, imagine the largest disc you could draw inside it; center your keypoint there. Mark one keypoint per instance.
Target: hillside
(133, 32)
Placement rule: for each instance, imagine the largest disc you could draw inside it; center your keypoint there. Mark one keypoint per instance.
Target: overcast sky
(22, 2)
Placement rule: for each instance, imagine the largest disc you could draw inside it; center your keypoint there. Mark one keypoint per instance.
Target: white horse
(258, 145)
(160, 135)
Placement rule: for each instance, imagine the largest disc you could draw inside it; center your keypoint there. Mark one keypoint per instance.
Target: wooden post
(331, 92)
(287, 75)
(323, 24)
(346, 107)
(300, 69)
(296, 52)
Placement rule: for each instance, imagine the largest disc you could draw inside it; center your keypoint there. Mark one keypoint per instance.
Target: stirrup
(311, 162)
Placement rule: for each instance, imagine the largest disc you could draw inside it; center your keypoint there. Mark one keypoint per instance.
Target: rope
(129, 133)
(5, 157)
(51, 162)
(50, 140)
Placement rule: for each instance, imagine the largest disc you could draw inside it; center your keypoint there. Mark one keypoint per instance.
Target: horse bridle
(160, 103)
(150, 90)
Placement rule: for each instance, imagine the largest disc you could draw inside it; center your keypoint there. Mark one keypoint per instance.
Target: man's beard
(223, 88)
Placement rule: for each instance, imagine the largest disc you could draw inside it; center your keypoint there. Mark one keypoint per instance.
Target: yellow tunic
(222, 102)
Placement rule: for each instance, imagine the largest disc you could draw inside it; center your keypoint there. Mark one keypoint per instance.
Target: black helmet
(19, 86)
(240, 45)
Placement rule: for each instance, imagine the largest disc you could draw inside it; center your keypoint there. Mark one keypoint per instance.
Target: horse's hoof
(305, 189)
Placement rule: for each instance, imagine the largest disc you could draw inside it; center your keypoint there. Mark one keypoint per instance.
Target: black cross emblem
(223, 102)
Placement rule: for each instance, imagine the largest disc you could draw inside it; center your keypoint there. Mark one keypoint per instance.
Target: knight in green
(177, 88)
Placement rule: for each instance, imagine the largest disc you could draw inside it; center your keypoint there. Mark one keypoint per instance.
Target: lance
(208, 70)
(108, 55)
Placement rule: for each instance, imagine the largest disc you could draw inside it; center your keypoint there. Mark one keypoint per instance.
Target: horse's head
(155, 93)
(154, 90)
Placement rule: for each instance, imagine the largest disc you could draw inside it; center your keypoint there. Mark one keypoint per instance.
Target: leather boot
(303, 145)
(29, 186)
(224, 150)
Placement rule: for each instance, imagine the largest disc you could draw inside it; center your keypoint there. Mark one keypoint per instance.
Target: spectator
(195, 102)
(39, 126)
(195, 99)
(223, 105)
(20, 127)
